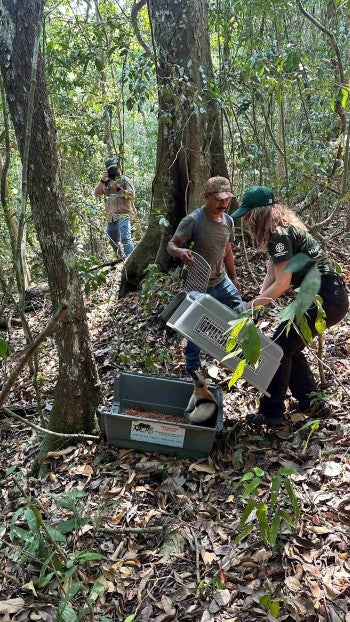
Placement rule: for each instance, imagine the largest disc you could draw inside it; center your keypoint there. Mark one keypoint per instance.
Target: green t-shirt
(290, 240)
(211, 240)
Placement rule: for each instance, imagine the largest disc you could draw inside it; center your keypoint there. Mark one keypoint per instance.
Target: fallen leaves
(190, 569)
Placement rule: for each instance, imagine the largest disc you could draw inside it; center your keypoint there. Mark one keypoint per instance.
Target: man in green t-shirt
(213, 240)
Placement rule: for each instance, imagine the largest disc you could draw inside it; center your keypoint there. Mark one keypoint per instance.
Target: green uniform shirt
(211, 241)
(290, 240)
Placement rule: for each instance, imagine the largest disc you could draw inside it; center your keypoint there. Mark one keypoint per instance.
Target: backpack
(189, 244)
(199, 217)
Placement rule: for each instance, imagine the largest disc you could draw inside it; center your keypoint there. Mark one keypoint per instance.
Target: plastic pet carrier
(204, 321)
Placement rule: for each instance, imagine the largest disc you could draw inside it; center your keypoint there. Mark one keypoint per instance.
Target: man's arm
(101, 186)
(175, 249)
(230, 266)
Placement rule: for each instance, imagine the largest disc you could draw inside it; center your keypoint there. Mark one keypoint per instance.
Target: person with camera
(119, 194)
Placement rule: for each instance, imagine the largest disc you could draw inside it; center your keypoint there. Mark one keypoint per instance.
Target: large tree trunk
(77, 393)
(190, 146)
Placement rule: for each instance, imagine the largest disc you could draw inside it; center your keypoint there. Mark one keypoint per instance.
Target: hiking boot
(257, 419)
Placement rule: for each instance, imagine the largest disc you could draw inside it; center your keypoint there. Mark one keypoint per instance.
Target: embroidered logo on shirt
(280, 250)
(313, 250)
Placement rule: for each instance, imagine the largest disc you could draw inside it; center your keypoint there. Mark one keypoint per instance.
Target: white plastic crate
(204, 321)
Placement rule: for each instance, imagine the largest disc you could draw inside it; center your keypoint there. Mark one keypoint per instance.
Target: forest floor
(150, 537)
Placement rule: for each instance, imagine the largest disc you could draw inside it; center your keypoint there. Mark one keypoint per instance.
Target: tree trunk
(189, 145)
(77, 392)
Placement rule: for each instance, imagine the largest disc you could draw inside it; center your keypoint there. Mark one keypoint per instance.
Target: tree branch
(137, 6)
(38, 428)
(330, 35)
(62, 311)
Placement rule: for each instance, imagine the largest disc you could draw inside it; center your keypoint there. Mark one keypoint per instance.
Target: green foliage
(270, 516)
(307, 294)
(272, 606)
(91, 277)
(37, 541)
(305, 297)
(242, 331)
(155, 288)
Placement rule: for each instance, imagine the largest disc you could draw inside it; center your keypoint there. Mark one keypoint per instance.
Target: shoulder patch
(280, 250)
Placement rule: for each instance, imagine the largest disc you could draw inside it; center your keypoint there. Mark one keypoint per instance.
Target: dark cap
(219, 186)
(256, 196)
(112, 162)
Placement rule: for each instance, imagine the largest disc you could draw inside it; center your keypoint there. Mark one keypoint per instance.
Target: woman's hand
(279, 283)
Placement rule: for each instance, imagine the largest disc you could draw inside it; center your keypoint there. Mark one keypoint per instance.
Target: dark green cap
(256, 196)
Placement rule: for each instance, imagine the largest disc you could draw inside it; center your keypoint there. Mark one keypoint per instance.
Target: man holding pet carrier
(211, 231)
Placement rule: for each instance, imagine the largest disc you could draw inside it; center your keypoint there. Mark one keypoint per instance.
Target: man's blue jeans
(119, 233)
(224, 292)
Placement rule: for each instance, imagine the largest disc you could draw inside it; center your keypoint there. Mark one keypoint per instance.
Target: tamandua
(202, 408)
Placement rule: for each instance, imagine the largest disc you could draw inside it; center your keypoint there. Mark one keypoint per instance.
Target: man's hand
(104, 177)
(185, 255)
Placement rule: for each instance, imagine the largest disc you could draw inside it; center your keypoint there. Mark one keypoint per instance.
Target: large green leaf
(251, 343)
(305, 329)
(264, 528)
(251, 487)
(238, 373)
(309, 287)
(275, 488)
(247, 511)
(97, 588)
(292, 496)
(31, 519)
(296, 263)
(288, 313)
(275, 527)
(320, 322)
(66, 526)
(236, 327)
(244, 533)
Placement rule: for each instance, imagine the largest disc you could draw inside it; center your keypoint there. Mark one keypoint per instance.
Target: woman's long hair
(267, 219)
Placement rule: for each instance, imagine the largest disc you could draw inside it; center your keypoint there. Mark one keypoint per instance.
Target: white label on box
(159, 433)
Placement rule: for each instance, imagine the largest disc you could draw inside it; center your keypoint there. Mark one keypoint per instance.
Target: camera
(112, 174)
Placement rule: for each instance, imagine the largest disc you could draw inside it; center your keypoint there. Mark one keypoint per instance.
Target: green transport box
(154, 394)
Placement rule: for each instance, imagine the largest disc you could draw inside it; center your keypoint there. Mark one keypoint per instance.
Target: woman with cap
(278, 230)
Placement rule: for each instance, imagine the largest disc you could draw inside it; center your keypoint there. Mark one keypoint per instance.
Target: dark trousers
(294, 371)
